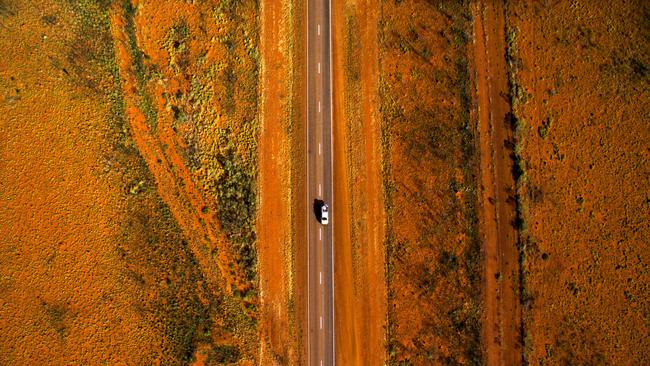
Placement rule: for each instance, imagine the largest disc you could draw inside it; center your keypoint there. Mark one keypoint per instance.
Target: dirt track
(501, 314)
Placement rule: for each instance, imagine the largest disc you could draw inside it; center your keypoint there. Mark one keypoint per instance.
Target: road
(320, 242)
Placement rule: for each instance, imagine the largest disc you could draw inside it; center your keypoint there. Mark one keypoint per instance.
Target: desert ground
(491, 182)
(133, 230)
(514, 174)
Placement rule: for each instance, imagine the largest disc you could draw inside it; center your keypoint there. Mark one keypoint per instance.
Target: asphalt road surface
(319, 186)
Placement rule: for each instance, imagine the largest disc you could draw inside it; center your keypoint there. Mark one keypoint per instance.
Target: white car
(324, 214)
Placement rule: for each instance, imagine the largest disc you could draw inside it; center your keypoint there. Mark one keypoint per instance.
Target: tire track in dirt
(502, 312)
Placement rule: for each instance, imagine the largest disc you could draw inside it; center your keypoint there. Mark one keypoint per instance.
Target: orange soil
(371, 278)
(113, 251)
(298, 180)
(583, 105)
(277, 282)
(359, 272)
(161, 150)
(64, 297)
(501, 312)
(187, 191)
(430, 169)
(72, 292)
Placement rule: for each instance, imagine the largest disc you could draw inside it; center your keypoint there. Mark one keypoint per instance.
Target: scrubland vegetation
(167, 100)
(430, 170)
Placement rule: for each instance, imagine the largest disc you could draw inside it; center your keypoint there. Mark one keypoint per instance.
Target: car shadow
(317, 208)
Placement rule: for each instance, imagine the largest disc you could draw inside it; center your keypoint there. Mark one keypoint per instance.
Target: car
(324, 214)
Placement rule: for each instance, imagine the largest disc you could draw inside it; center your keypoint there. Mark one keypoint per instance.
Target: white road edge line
(307, 185)
(332, 178)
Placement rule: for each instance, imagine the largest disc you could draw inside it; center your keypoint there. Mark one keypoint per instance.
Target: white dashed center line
(321, 322)
(319, 67)
(319, 29)
(320, 278)
(319, 190)
(320, 233)
(319, 149)
(319, 106)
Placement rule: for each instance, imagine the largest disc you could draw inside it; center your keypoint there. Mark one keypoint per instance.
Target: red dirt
(582, 107)
(346, 339)
(501, 312)
(181, 155)
(166, 165)
(114, 252)
(275, 218)
(371, 278)
(68, 294)
(120, 123)
(64, 298)
(430, 169)
(360, 281)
